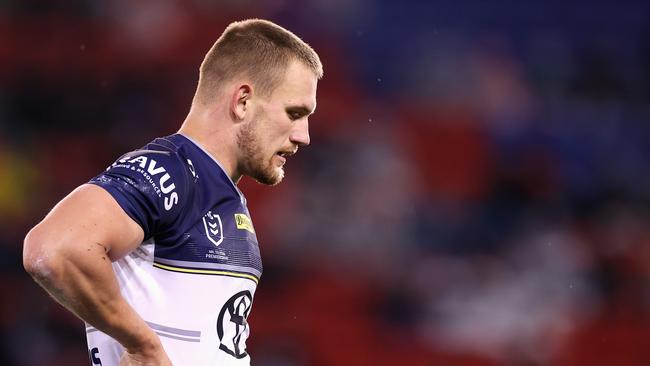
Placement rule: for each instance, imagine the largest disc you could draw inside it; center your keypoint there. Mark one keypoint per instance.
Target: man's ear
(240, 101)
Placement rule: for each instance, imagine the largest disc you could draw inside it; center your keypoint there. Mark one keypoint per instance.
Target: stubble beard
(253, 163)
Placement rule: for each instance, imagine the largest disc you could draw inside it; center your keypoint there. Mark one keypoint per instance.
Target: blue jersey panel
(186, 203)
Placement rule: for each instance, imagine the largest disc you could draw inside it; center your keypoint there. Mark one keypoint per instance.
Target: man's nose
(300, 133)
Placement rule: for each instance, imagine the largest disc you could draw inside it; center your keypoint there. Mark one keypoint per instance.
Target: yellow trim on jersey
(206, 271)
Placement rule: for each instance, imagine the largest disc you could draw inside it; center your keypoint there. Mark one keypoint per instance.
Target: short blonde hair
(257, 49)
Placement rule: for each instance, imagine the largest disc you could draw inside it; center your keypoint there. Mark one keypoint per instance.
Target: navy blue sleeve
(148, 185)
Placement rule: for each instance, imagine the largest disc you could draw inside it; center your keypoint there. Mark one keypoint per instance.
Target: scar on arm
(103, 247)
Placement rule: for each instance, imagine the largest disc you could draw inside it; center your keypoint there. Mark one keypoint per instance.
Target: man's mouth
(284, 154)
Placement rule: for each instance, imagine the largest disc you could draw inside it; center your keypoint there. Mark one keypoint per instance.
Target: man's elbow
(39, 261)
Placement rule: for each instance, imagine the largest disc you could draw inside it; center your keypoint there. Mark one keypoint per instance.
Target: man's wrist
(146, 347)
(140, 340)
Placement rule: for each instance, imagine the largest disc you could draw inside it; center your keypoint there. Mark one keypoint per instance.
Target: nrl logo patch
(213, 228)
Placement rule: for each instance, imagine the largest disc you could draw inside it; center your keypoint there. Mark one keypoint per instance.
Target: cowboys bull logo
(232, 327)
(213, 228)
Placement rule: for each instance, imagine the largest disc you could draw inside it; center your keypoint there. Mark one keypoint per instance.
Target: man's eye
(294, 115)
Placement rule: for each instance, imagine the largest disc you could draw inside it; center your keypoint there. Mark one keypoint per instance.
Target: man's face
(278, 126)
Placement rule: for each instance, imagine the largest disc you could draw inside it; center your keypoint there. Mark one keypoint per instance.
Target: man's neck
(220, 144)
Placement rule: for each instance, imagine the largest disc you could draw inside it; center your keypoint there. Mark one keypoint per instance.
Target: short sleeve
(149, 186)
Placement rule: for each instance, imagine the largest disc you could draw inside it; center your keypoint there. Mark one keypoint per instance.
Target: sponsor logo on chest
(244, 222)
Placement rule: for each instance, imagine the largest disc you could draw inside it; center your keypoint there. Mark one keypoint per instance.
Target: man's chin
(270, 179)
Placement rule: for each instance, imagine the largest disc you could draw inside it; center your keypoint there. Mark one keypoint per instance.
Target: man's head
(275, 127)
(268, 77)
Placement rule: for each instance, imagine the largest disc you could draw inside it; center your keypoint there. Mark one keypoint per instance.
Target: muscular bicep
(91, 216)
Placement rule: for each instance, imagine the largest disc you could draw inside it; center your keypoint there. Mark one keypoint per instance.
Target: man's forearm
(81, 278)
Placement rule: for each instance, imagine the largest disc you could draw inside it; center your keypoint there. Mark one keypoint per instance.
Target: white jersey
(194, 278)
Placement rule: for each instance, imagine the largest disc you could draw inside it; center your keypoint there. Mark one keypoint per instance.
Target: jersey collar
(241, 195)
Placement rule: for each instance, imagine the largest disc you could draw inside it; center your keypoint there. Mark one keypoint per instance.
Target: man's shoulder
(177, 161)
(162, 154)
(159, 170)
(160, 146)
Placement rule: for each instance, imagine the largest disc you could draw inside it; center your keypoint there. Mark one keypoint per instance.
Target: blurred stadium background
(476, 192)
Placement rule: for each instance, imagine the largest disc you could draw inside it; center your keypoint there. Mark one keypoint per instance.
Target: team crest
(232, 324)
(213, 228)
